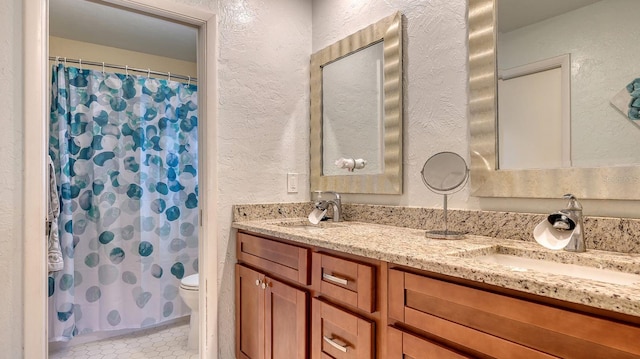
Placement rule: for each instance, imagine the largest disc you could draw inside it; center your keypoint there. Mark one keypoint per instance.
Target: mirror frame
(616, 182)
(389, 30)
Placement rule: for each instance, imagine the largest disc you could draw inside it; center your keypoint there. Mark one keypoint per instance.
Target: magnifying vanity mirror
(597, 155)
(356, 112)
(445, 173)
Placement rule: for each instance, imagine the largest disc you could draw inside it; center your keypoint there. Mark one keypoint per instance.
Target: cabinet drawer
(504, 326)
(286, 260)
(339, 334)
(344, 280)
(406, 345)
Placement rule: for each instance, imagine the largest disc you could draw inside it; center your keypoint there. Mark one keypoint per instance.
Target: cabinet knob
(258, 282)
(263, 285)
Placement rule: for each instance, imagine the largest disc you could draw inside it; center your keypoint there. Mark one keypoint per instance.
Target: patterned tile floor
(164, 342)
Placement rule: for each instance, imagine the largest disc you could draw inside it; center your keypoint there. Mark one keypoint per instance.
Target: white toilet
(189, 294)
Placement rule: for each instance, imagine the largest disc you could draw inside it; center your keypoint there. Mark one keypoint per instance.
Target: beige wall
(91, 52)
(11, 142)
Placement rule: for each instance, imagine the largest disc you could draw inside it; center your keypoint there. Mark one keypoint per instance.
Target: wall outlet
(292, 182)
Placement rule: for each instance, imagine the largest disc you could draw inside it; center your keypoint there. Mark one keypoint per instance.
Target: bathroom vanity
(299, 301)
(353, 289)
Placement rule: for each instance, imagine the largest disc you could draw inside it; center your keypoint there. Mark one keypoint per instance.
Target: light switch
(292, 182)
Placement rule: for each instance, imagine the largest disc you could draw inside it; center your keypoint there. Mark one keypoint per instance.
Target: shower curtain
(125, 152)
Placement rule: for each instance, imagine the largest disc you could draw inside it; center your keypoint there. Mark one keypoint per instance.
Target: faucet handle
(573, 202)
(320, 193)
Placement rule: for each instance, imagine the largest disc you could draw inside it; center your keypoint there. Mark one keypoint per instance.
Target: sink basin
(306, 225)
(520, 262)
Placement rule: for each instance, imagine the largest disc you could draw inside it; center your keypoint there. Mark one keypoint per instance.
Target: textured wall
(263, 119)
(435, 81)
(600, 39)
(435, 110)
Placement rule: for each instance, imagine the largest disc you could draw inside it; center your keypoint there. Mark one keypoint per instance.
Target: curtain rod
(120, 67)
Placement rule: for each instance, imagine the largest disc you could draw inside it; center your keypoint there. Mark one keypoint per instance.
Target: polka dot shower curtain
(125, 152)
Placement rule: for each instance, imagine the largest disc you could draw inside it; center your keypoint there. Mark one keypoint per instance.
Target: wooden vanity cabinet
(337, 333)
(272, 313)
(403, 344)
(297, 301)
(345, 280)
(345, 310)
(484, 323)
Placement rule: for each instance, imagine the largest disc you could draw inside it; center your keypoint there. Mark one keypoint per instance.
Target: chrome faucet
(336, 204)
(570, 218)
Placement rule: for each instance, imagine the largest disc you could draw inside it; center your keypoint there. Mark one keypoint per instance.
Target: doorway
(35, 111)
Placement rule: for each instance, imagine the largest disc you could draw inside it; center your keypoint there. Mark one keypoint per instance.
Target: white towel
(54, 257)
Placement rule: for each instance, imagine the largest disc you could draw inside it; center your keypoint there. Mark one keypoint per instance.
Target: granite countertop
(458, 258)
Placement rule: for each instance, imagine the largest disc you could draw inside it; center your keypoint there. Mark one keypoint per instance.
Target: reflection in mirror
(346, 125)
(534, 115)
(604, 182)
(352, 114)
(600, 38)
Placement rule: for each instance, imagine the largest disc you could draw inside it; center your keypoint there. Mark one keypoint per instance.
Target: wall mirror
(356, 111)
(598, 167)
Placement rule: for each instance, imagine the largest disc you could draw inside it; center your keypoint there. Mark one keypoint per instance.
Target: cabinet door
(250, 339)
(403, 345)
(286, 322)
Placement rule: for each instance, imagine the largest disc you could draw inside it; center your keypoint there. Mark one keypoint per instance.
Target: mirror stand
(445, 173)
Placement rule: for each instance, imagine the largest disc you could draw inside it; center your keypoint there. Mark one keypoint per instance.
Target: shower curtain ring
(80, 62)
(168, 76)
(148, 72)
(103, 67)
(57, 60)
(65, 61)
(189, 82)
(126, 70)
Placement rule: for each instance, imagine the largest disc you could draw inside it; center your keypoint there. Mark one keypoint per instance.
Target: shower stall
(125, 152)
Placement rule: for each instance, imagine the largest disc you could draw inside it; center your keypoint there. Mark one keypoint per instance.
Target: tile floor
(163, 342)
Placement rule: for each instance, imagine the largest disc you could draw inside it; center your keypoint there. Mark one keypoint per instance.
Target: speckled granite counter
(409, 247)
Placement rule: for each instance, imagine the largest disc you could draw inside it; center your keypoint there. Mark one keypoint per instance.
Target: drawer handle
(334, 344)
(334, 279)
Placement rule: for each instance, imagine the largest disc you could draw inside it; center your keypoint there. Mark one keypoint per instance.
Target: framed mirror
(356, 112)
(607, 180)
